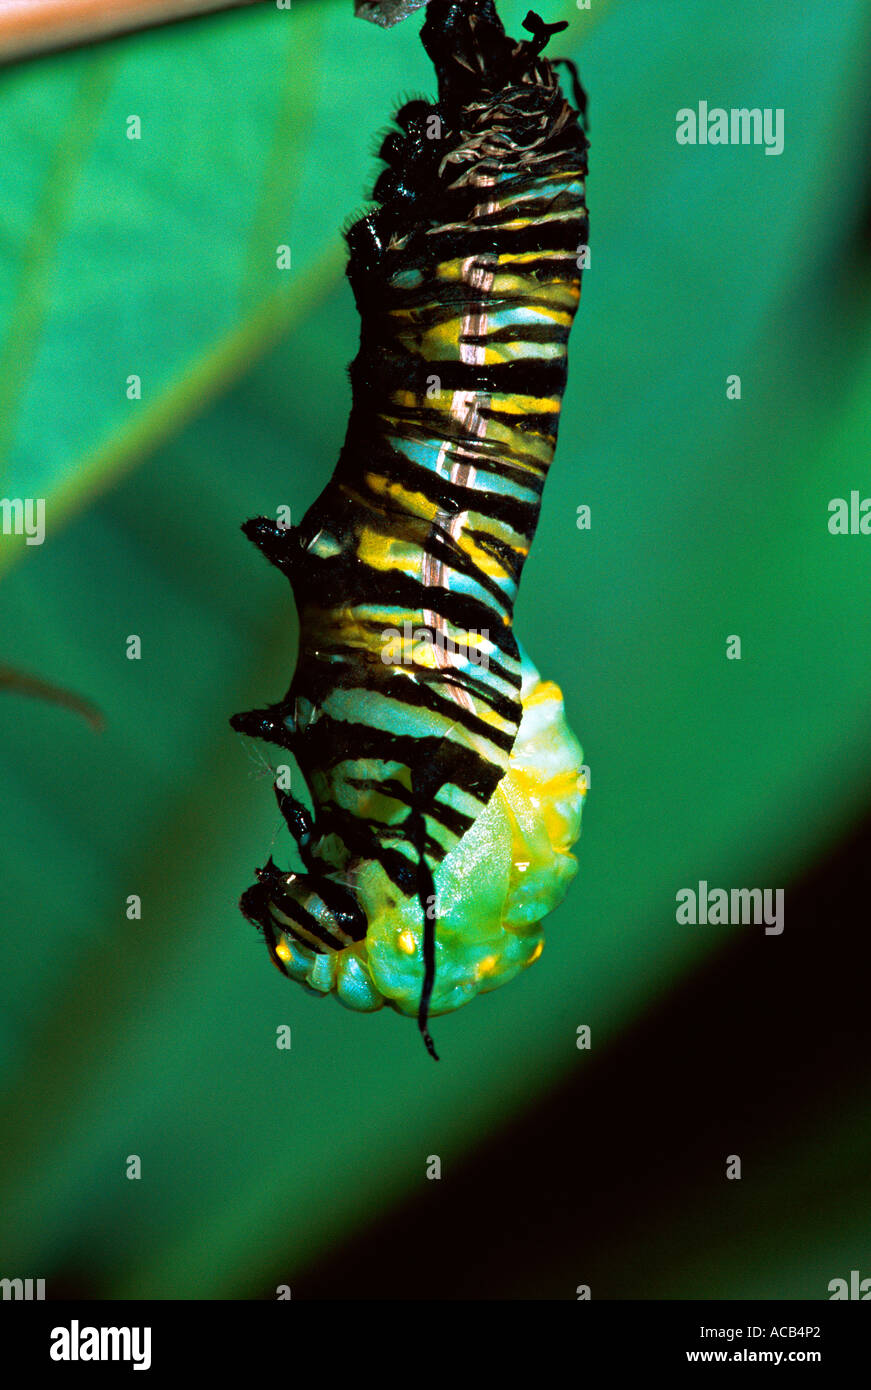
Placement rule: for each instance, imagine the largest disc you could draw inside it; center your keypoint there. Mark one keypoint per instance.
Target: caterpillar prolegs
(446, 785)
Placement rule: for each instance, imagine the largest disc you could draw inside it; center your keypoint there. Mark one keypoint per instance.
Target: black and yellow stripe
(467, 281)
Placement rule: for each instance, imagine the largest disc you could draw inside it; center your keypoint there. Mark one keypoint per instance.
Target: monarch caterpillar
(447, 788)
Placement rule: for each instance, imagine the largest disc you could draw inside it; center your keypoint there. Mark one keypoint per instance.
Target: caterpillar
(446, 786)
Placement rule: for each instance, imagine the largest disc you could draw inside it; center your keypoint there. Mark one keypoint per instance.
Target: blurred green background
(157, 257)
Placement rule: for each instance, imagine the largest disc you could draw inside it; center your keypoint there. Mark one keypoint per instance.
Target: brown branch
(28, 27)
(20, 683)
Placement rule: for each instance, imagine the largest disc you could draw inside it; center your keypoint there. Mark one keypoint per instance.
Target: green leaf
(156, 257)
(156, 1037)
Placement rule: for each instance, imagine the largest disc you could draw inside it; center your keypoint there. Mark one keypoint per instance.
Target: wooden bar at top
(29, 27)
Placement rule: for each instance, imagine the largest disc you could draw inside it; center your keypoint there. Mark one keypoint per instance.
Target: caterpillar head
(310, 923)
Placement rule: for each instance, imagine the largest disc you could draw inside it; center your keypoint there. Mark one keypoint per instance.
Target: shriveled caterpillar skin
(446, 786)
(492, 890)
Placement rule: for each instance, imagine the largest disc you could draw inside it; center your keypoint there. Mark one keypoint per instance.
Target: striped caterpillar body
(446, 786)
